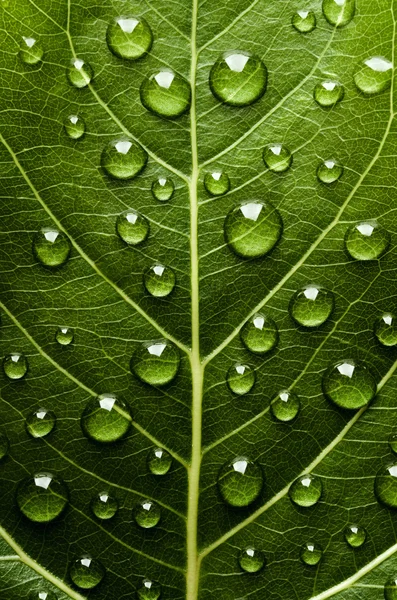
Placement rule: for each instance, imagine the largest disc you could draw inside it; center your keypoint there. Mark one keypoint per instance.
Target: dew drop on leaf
(277, 157)
(393, 442)
(40, 423)
(42, 497)
(149, 590)
(86, 572)
(30, 51)
(367, 241)
(238, 78)
(123, 159)
(390, 589)
(129, 37)
(339, 12)
(240, 379)
(156, 363)
(311, 306)
(106, 419)
(386, 485)
(79, 73)
(349, 384)
(386, 330)
(159, 280)
(104, 506)
(166, 94)
(251, 560)
(15, 366)
(355, 535)
(304, 21)
(159, 461)
(74, 127)
(306, 490)
(374, 76)
(51, 247)
(4, 445)
(240, 482)
(64, 336)
(329, 171)
(311, 554)
(328, 93)
(147, 514)
(42, 595)
(217, 182)
(163, 189)
(132, 227)
(285, 406)
(259, 334)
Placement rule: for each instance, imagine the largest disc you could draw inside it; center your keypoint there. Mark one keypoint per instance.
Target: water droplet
(259, 334)
(329, 171)
(163, 189)
(147, 514)
(374, 76)
(42, 497)
(159, 281)
(306, 490)
(217, 183)
(328, 93)
(349, 384)
(159, 461)
(240, 379)
(367, 241)
(51, 247)
(42, 595)
(240, 482)
(156, 363)
(149, 590)
(251, 560)
(277, 157)
(74, 127)
(386, 330)
(355, 535)
(80, 73)
(64, 336)
(166, 94)
(104, 506)
(390, 589)
(106, 419)
(87, 572)
(123, 159)
(311, 306)
(40, 423)
(285, 406)
(253, 229)
(15, 366)
(4, 445)
(311, 554)
(129, 37)
(339, 12)
(386, 485)
(238, 79)
(132, 227)
(304, 21)
(393, 442)
(30, 51)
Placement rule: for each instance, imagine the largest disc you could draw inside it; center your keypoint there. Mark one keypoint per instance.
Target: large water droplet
(149, 590)
(339, 12)
(367, 240)
(251, 560)
(252, 229)
(166, 94)
(217, 182)
(15, 366)
(306, 490)
(393, 442)
(132, 227)
(386, 330)
(87, 572)
(4, 445)
(375, 75)
(240, 482)
(163, 189)
(106, 419)
(80, 73)
(238, 79)
(64, 336)
(390, 589)
(240, 379)
(159, 280)
(304, 21)
(104, 506)
(386, 485)
(147, 514)
(329, 171)
(311, 554)
(129, 37)
(349, 384)
(51, 247)
(42, 497)
(328, 93)
(159, 461)
(311, 306)
(30, 51)
(259, 334)
(40, 423)
(277, 157)
(285, 406)
(42, 595)
(355, 535)
(74, 127)
(123, 158)
(156, 363)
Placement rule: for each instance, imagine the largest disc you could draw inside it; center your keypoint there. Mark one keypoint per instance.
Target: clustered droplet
(329, 171)
(147, 514)
(51, 247)
(240, 379)
(156, 363)
(129, 37)
(304, 21)
(132, 227)
(30, 51)
(355, 535)
(277, 157)
(374, 76)
(385, 330)
(367, 240)
(74, 127)
(328, 93)
(149, 590)
(64, 336)
(311, 554)
(217, 182)
(166, 94)
(259, 334)
(40, 423)
(106, 419)
(285, 406)
(15, 366)
(159, 281)
(349, 384)
(163, 189)
(159, 461)
(251, 560)
(87, 572)
(312, 306)
(306, 491)
(240, 482)
(104, 506)
(42, 497)
(123, 158)
(339, 12)
(238, 78)
(80, 73)
(386, 485)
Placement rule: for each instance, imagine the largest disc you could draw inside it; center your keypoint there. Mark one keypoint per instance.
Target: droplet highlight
(149, 590)
(367, 240)
(393, 442)
(259, 334)
(156, 363)
(374, 76)
(306, 491)
(106, 419)
(285, 406)
(385, 330)
(311, 306)
(159, 461)
(304, 21)
(15, 366)
(42, 497)
(240, 379)
(163, 189)
(159, 281)
(64, 336)
(147, 514)
(349, 384)
(42, 595)
(386, 485)
(166, 94)
(339, 12)
(238, 78)
(30, 51)
(87, 572)
(390, 589)
(277, 157)
(123, 159)
(40, 423)
(251, 560)
(51, 247)
(80, 73)
(240, 482)
(355, 535)
(329, 171)
(129, 37)
(328, 93)
(217, 183)
(104, 506)
(311, 554)
(132, 227)
(74, 127)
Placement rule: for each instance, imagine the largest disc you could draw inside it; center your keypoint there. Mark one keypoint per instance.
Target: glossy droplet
(367, 241)
(285, 406)
(329, 171)
(123, 159)
(251, 560)
(374, 76)
(311, 306)
(304, 21)
(253, 229)
(393, 442)
(355, 535)
(40, 423)
(277, 157)
(328, 93)
(64, 336)
(4, 445)
(166, 94)
(149, 590)
(156, 363)
(240, 482)
(159, 280)
(104, 506)
(386, 330)
(15, 366)
(106, 419)
(80, 73)
(238, 79)
(311, 554)
(259, 334)
(147, 514)
(30, 51)
(132, 227)
(386, 485)
(87, 572)
(306, 491)
(159, 461)
(339, 12)
(51, 247)
(240, 379)
(349, 384)
(42, 497)
(74, 127)
(217, 183)
(129, 37)
(42, 595)
(163, 189)
(390, 589)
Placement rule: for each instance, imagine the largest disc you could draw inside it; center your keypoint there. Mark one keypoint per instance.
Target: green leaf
(81, 307)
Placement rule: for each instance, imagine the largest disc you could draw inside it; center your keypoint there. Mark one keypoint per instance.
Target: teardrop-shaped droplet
(240, 482)
(240, 379)
(306, 490)
(251, 560)
(238, 79)
(367, 240)
(147, 514)
(104, 506)
(386, 485)
(329, 171)
(386, 330)
(4, 445)
(393, 442)
(40, 423)
(349, 384)
(64, 336)
(149, 590)
(277, 157)
(30, 51)
(86, 572)
(311, 306)
(328, 93)
(51, 247)
(163, 189)
(129, 37)
(374, 76)
(339, 12)
(311, 554)
(259, 334)
(15, 366)
(166, 94)
(106, 419)
(253, 229)
(132, 227)
(156, 363)
(285, 406)
(123, 159)
(42, 497)
(355, 535)
(42, 595)
(159, 280)
(304, 21)
(159, 461)
(80, 73)
(74, 127)
(217, 182)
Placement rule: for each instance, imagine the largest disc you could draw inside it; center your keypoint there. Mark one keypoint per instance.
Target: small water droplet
(277, 157)
(285, 406)
(386, 485)
(132, 227)
(40, 423)
(306, 490)
(163, 189)
(349, 384)
(386, 329)
(123, 159)
(240, 379)
(51, 247)
(74, 127)
(367, 241)
(149, 590)
(328, 93)
(355, 535)
(393, 442)
(4, 445)
(259, 334)
(156, 363)
(304, 21)
(106, 419)
(159, 461)
(339, 12)
(238, 78)
(147, 514)
(159, 280)
(252, 229)
(129, 37)
(166, 94)
(251, 560)
(42, 595)
(240, 482)
(80, 73)
(217, 182)
(42, 497)
(311, 306)
(64, 336)
(390, 589)
(311, 554)
(104, 506)
(374, 76)
(86, 572)
(15, 366)
(30, 51)
(329, 171)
